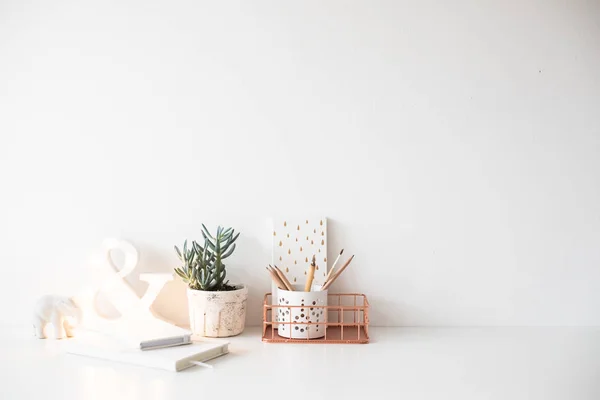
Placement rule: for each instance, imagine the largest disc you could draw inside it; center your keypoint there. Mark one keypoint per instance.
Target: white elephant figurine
(62, 312)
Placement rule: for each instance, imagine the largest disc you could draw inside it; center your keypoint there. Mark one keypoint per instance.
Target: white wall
(453, 145)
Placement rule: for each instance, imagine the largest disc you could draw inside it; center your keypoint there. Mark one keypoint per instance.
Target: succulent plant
(203, 267)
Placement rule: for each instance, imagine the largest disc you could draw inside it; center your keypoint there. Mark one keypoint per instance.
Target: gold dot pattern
(301, 236)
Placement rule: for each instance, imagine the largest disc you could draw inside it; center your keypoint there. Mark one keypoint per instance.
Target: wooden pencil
(276, 279)
(283, 278)
(311, 275)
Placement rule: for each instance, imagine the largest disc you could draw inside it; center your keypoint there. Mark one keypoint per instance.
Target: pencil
(285, 280)
(311, 275)
(337, 274)
(333, 266)
(276, 279)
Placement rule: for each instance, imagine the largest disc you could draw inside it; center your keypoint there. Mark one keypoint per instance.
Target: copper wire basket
(347, 320)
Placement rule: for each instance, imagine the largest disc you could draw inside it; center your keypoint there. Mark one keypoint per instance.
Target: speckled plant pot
(217, 314)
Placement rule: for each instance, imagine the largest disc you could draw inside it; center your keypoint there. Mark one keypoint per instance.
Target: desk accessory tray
(347, 320)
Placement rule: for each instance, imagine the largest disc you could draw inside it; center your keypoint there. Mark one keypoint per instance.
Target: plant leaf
(205, 230)
(229, 252)
(181, 274)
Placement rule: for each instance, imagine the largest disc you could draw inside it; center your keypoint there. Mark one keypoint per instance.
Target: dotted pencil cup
(301, 315)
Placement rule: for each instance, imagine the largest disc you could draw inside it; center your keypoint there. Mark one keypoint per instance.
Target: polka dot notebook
(295, 241)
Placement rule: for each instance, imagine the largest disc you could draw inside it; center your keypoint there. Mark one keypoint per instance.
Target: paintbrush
(311, 275)
(337, 274)
(276, 279)
(283, 278)
(333, 266)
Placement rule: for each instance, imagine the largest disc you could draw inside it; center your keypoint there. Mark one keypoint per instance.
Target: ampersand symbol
(109, 281)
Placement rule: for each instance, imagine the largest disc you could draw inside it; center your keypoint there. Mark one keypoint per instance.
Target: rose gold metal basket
(347, 320)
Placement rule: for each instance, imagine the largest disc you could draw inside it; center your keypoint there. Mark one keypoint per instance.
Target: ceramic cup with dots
(310, 309)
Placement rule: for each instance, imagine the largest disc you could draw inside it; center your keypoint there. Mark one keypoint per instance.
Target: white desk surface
(399, 363)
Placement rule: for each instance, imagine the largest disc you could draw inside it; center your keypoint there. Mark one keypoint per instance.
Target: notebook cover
(140, 333)
(170, 358)
(295, 241)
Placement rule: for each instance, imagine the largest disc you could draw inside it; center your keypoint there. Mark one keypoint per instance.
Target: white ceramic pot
(217, 314)
(298, 309)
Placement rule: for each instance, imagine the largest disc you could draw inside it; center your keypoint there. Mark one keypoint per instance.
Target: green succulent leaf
(227, 232)
(229, 252)
(179, 272)
(206, 232)
(208, 243)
